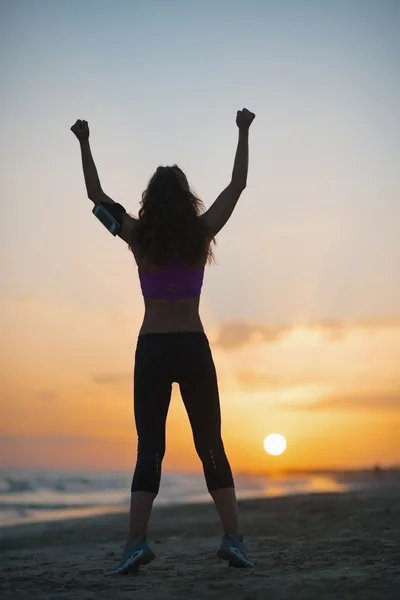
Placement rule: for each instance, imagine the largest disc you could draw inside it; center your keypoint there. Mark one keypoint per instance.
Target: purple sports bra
(172, 282)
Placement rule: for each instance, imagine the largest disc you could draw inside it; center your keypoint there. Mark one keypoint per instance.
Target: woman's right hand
(81, 130)
(244, 118)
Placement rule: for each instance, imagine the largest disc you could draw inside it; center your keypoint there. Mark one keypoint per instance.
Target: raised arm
(93, 186)
(92, 181)
(220, 211)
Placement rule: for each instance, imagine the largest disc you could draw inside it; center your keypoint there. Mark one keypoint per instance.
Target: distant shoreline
(85, 514)
(395, 469)
(117, 513)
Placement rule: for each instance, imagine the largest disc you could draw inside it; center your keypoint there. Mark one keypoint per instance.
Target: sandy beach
(333, 546)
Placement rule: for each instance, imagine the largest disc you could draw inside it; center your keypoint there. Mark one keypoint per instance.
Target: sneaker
(133, 557)
(234, 551)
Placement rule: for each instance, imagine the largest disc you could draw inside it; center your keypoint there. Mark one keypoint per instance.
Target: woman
(172, 242)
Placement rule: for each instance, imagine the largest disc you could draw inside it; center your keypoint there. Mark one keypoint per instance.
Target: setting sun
(275, 444)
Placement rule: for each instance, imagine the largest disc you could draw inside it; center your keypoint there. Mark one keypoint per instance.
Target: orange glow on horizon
(78, 412)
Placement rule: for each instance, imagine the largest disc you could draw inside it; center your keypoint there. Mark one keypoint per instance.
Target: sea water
(30, 496)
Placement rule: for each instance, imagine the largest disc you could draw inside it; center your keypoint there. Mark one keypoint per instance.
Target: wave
(43, 495)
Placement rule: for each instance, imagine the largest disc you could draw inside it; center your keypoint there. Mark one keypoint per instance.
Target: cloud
(374, 323)
(113, 378)
(47, 396)
(19, 439)
(253, 381)
(233, 335)
(25, 300)
(379, 401)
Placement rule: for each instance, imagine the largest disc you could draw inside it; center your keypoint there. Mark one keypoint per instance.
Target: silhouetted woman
(171, 241)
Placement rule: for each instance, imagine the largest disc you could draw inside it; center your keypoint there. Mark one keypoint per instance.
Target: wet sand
(321, 546)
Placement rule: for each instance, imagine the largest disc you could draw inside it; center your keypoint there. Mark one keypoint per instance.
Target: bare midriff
(169, 316)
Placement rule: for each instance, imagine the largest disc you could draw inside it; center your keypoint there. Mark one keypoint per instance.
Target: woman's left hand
(244, 118)
(81, 130)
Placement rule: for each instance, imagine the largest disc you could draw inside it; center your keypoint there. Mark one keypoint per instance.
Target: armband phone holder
(109, 214)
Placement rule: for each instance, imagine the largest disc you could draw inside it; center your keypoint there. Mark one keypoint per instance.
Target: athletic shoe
(234, 551)
(133, 557)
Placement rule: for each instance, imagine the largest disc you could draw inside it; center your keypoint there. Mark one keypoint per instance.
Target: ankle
(132, 540)
(236, 535)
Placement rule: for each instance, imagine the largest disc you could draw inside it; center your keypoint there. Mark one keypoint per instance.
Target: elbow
(239, 185)
(96, 195)
(93, 199)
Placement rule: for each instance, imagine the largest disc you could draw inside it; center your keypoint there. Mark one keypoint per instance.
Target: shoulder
(128, 227)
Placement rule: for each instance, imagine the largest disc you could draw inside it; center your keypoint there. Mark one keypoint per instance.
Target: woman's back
(171, 295)
(171, 245)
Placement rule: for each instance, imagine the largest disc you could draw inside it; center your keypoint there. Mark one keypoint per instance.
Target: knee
(216, 466)
(147, 474)
(149, 463)
(209, 448)
(150, 455)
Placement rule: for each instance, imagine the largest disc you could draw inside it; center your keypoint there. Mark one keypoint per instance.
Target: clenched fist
(81, 130)
(244, 118)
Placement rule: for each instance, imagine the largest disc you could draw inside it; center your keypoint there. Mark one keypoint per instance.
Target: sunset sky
(303, 306)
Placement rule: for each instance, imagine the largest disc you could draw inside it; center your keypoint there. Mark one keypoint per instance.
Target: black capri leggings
(185, 358)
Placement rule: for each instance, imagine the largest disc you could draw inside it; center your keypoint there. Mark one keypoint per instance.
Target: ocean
(31, 496)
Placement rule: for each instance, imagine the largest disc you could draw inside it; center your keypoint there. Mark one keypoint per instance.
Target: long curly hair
(168, 226)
